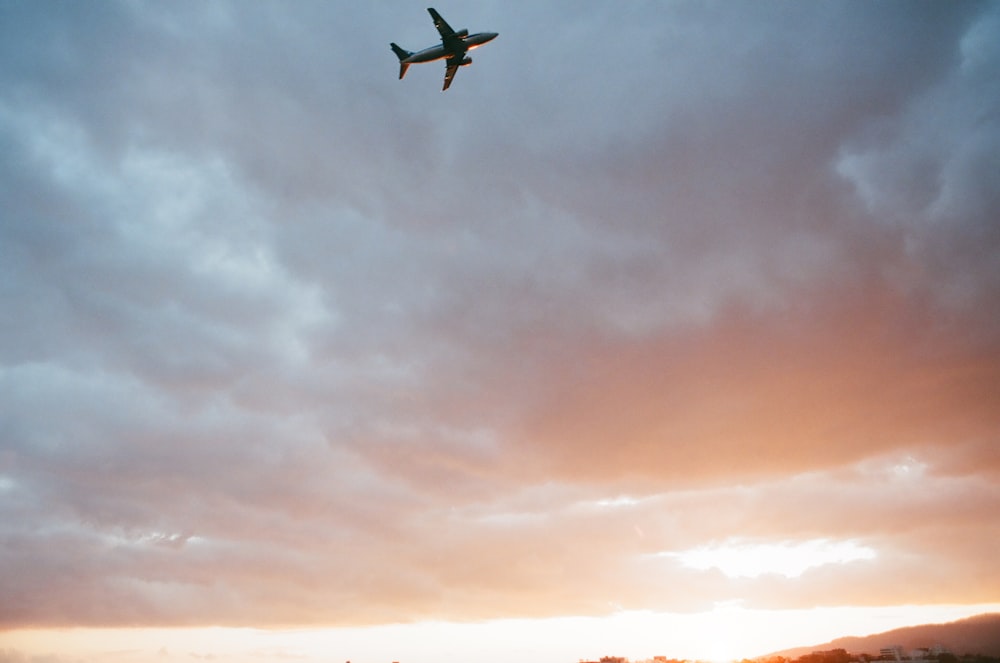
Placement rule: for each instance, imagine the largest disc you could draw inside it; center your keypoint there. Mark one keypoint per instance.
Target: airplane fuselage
(440, 51)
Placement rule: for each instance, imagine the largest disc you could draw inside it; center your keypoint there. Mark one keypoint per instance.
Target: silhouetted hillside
(975, 635)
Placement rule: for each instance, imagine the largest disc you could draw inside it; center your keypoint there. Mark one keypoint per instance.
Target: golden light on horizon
(727, 632)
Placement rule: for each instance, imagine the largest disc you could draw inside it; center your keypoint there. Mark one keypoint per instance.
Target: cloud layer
(290, 341)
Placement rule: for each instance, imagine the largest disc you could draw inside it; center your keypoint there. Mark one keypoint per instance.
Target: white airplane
(453, 46)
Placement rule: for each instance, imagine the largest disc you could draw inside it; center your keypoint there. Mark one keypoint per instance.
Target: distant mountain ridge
(973, 635)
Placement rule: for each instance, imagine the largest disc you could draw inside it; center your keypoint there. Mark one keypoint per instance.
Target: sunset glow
(725, 633)
(669, 329)
(748, 560)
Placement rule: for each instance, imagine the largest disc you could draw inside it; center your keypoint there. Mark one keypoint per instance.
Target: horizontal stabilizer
(402, 54)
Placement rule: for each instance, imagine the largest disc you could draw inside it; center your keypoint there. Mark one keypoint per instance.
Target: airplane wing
(449, 72)
(448, 36)
(440, 24)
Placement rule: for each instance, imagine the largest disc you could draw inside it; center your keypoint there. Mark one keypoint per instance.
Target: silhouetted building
(893, 653)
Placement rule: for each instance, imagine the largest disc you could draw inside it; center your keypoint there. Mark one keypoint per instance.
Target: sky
(671, 328)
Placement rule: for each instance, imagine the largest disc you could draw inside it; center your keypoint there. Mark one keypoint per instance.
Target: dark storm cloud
(295, 341)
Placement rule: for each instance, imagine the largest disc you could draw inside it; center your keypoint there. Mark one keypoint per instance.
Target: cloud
(296, 342)
(739, 559)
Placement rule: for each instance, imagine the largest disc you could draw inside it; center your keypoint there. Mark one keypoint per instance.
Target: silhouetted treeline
(831, 656)
(843, 656)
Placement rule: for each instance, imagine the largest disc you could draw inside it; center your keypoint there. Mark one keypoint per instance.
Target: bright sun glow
(727, 632)
(739, 559)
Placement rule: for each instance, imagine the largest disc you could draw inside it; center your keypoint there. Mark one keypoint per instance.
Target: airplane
(453, 46)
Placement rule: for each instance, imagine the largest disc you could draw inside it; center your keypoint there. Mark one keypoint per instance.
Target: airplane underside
(453, 48)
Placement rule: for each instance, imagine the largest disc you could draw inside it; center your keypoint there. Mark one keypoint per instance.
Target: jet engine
(466, 61)
(464, 32)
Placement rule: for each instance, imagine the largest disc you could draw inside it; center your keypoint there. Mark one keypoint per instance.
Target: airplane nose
(490, 36)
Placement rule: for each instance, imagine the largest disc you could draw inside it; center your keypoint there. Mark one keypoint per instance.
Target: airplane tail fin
(402, 54)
